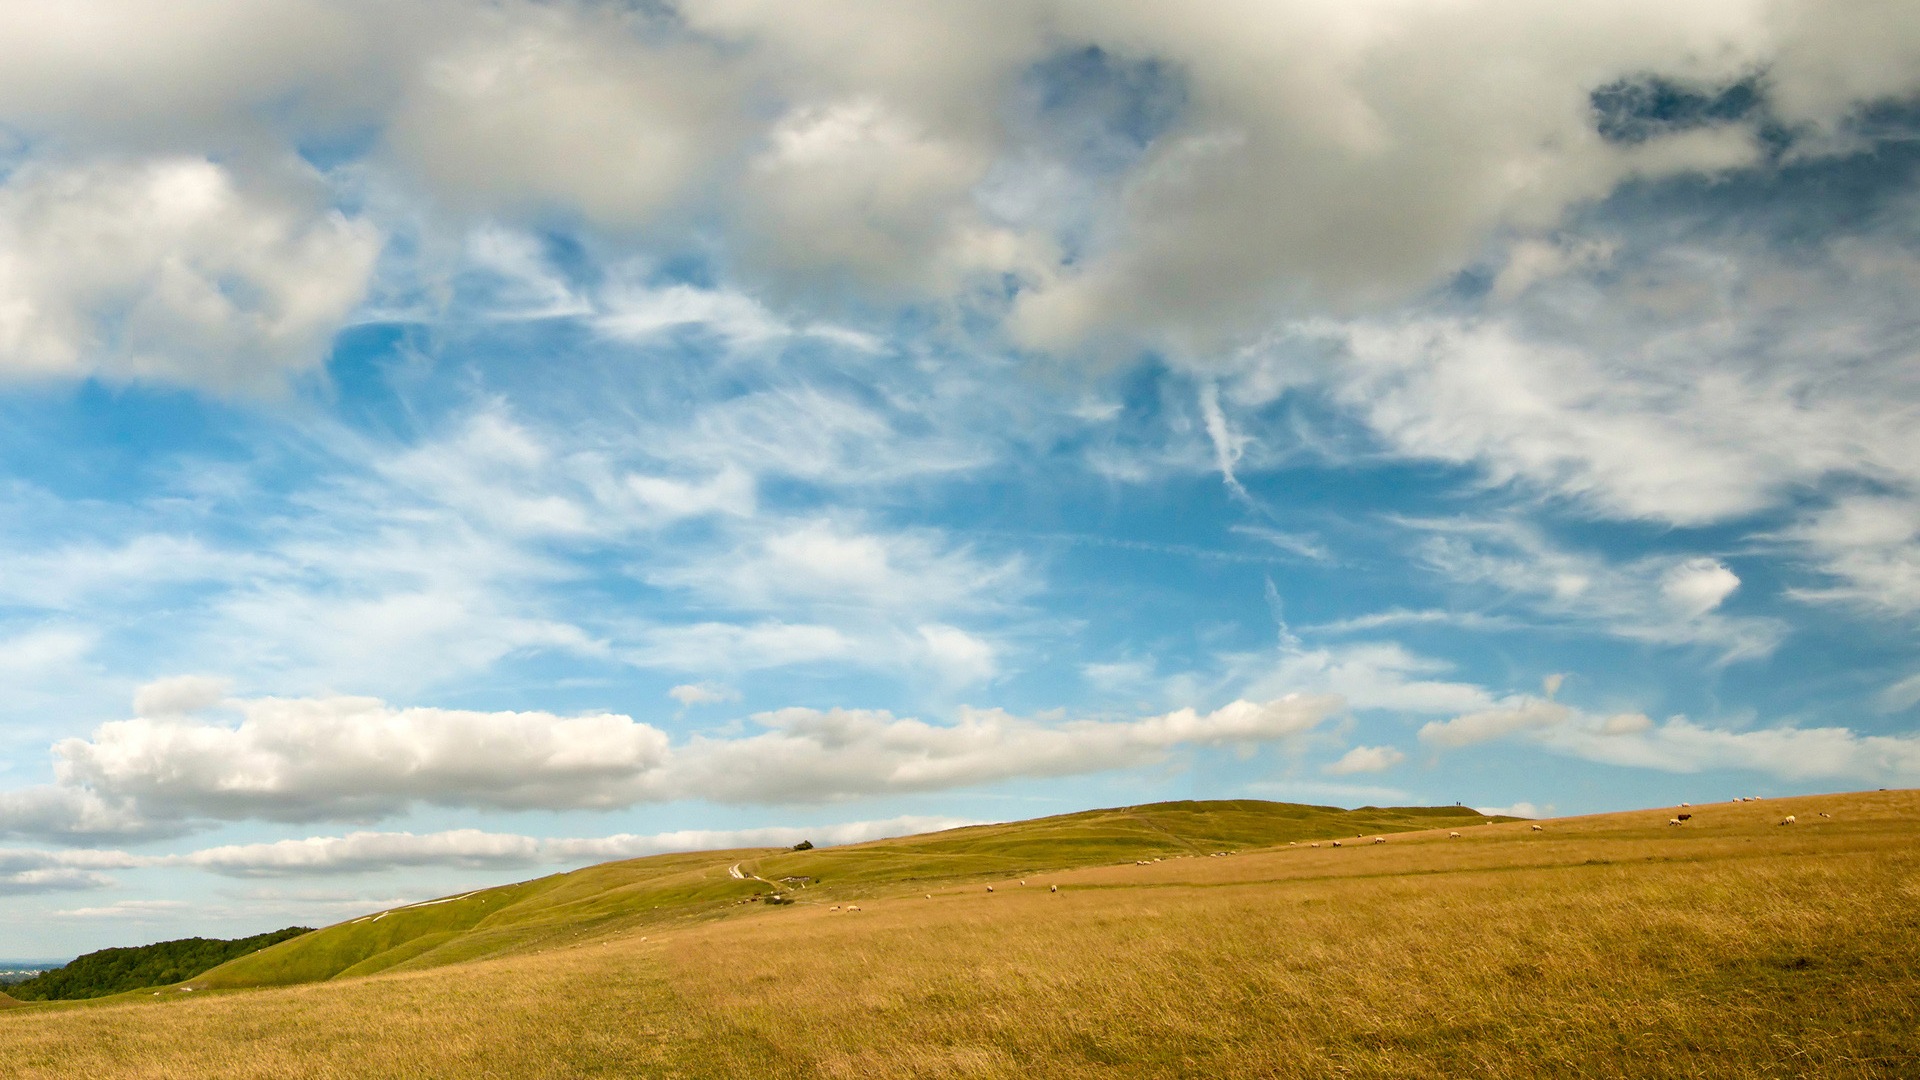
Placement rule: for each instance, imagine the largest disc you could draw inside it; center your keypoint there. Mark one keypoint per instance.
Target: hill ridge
(675, 888)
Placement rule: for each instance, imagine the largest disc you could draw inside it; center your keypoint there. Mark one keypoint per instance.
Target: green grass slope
(672, 889)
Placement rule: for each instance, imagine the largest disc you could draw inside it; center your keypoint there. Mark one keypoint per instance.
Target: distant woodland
(112, 971)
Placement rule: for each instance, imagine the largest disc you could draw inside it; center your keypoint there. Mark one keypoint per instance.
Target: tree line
(114, 971)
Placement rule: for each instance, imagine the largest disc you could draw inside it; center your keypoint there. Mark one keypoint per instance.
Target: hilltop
(1612, 945)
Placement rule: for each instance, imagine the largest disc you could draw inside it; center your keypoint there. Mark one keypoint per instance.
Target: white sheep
(1453, 836)
(989, 888)
(853, 907)
(1539, 828)
(1788, 820)
(1379, 839)
(1673, 821)
(1053, 888)
(1336, 843)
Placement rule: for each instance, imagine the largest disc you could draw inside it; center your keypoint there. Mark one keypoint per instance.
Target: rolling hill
(669, 889)
(1613, 945)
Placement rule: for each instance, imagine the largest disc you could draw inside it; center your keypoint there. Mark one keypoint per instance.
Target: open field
(1606, 946)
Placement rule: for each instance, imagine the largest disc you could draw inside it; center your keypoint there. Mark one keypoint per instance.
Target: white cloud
(134, 910)
(825, 564)
(718, 646)
(706, 693)
(1679, 745)
(26, 870)
(1519, 810)
(1402, 134)
(1902, 695)
(180, 695)
(537, 106)
(1520, 714)
(1870, 547)
(20, 882)
(357, 757)
(635, 314)
(352, 758)
(1669, 600)
(1365, 675)
(169, 270)
(133, 71)
(808, 754)
(1365, 759)
(1697, 586)
(1344, 794)
(366, 852)
(1790, 753)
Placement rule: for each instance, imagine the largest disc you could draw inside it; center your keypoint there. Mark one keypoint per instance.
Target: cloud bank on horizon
(490, 435)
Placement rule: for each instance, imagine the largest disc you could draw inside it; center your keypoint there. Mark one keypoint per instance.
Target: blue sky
(447, 445)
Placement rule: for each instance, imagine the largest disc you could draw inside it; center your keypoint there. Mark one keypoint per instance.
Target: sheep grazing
(1685, 804)
(835, 907)
(1788, 820)
(1023, 881)
(1313, 845)
(989, 888)
(1453, 836)
(1673, 821)
(853, 907)
(1336, 843)
(1683, 817)
(1824, 814)
(1053, 888)
(1379, 839)
(1539, 828)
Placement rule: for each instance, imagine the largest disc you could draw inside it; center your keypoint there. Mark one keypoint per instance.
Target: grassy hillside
(670, 889)
(1606, 946)
(115, 971)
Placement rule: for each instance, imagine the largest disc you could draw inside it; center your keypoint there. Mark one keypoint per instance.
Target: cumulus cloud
(126, 70)
(349, 757)
(358, 758)
(1365, 759)
(888, 144)
(170, 270)
(540, 106)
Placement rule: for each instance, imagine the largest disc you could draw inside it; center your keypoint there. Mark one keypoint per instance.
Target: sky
(445, 443)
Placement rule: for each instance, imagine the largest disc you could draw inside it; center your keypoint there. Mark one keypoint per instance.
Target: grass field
(1606, 946)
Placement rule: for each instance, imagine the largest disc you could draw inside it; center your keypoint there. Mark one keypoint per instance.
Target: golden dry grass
(1607, 946)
